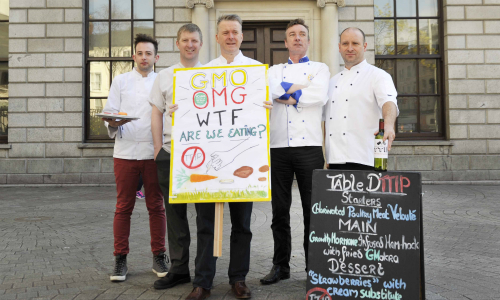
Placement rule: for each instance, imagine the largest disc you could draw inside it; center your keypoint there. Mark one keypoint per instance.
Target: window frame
(441, 76)
(4, 139)
(100, 139)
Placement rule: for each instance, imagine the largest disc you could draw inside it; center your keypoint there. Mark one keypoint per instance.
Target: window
(4, 70)
(408, 45)
(95, 82)
(111, 27)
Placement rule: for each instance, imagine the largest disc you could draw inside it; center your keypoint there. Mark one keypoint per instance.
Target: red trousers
(127, 174)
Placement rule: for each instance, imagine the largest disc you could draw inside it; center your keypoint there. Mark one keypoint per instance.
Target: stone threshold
(395, 143)
(40, 185)
(5, 146)
(423, 143)
(425, 182)
(467, 182)
(95, 145)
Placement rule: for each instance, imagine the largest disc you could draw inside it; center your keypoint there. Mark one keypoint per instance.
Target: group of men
(303, 95)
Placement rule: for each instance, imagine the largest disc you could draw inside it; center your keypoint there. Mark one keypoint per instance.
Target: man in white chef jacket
(299, 91)
(229, 37)
(133, 156)
(189, 42)
(359, 96)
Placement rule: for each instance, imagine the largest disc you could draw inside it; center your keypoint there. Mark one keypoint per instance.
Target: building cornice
(192, 3)
(323, 3)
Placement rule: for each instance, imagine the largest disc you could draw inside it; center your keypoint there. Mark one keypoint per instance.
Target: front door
(264, 41)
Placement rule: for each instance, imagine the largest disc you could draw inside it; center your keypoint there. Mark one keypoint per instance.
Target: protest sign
(220, 135)
(365, 239)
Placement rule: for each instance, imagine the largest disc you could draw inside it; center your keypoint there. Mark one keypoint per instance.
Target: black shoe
(120, 271)
(160, 262)
(275, 275)
(171, 280)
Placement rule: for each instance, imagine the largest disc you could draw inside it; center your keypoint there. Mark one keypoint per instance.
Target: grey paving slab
(57, 243)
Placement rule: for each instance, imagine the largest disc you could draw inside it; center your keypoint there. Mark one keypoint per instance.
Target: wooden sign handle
(218, 225)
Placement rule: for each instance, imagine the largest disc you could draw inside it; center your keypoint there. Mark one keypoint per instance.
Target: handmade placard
(220, 135)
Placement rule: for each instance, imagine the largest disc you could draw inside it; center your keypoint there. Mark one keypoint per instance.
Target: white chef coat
(161, 96)
(298, 125)
(356, 97)
(129, 93)
(239, 60)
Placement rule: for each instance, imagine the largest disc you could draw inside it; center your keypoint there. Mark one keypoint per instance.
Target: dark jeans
(140, 184)
(241, 236)
(179, 237)
(285, 162)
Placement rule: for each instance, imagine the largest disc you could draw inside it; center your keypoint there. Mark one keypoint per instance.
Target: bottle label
(381, 150)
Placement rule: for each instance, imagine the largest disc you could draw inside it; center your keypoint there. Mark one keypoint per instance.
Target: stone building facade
(48, 83)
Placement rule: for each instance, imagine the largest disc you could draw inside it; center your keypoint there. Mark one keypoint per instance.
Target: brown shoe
(240, 290)
(198, 293)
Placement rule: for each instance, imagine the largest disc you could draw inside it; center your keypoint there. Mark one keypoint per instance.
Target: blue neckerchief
(302, 60)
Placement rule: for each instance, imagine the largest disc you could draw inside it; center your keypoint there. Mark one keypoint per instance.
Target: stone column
(200, 18)
(330, 33)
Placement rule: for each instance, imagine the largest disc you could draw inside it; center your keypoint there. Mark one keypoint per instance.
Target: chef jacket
(129, 93)
(161, 97)
(356, 97)
(300, 124)
(238, 60)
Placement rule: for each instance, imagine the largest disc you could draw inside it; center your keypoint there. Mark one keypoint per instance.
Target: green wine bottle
(380, 152)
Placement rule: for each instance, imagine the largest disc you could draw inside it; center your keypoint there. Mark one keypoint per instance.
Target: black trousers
(239, 253)
(285, 162)
(179, 236)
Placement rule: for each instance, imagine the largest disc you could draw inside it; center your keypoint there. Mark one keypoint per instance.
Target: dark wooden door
(265, 42)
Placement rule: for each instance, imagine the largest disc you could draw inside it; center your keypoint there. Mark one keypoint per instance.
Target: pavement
(57, 243)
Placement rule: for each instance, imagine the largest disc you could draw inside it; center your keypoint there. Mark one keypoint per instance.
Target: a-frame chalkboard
(366, 238)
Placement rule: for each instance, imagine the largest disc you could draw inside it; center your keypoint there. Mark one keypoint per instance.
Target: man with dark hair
(144, 38)
(300, 92)
(189, 42)
(229, 36)
(360, 95)
(133, 157)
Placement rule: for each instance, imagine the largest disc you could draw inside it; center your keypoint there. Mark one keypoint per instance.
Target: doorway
(264, 41)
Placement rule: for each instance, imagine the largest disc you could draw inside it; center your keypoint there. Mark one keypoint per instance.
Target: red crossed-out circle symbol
(322, 293)
(192, 156)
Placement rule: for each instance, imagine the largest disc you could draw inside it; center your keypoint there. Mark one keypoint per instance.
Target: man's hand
(268, 104)
(172, 108)
(295, 87)
(389, 134)
(290, 101)
(113, 123)
(157, 150)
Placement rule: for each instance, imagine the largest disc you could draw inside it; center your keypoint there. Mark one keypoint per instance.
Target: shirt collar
(357, 67)
(134, 71)
(198, 64)
(302, 60)
(237, 58)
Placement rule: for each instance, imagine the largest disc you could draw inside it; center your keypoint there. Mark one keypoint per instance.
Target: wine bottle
(380, 151)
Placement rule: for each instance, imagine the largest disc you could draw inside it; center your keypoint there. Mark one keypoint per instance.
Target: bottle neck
(381, 126)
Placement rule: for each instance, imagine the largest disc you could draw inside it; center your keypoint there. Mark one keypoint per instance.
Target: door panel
(264, 41)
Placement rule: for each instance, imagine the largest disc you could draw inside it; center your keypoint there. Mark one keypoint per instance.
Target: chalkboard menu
(365, 239)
